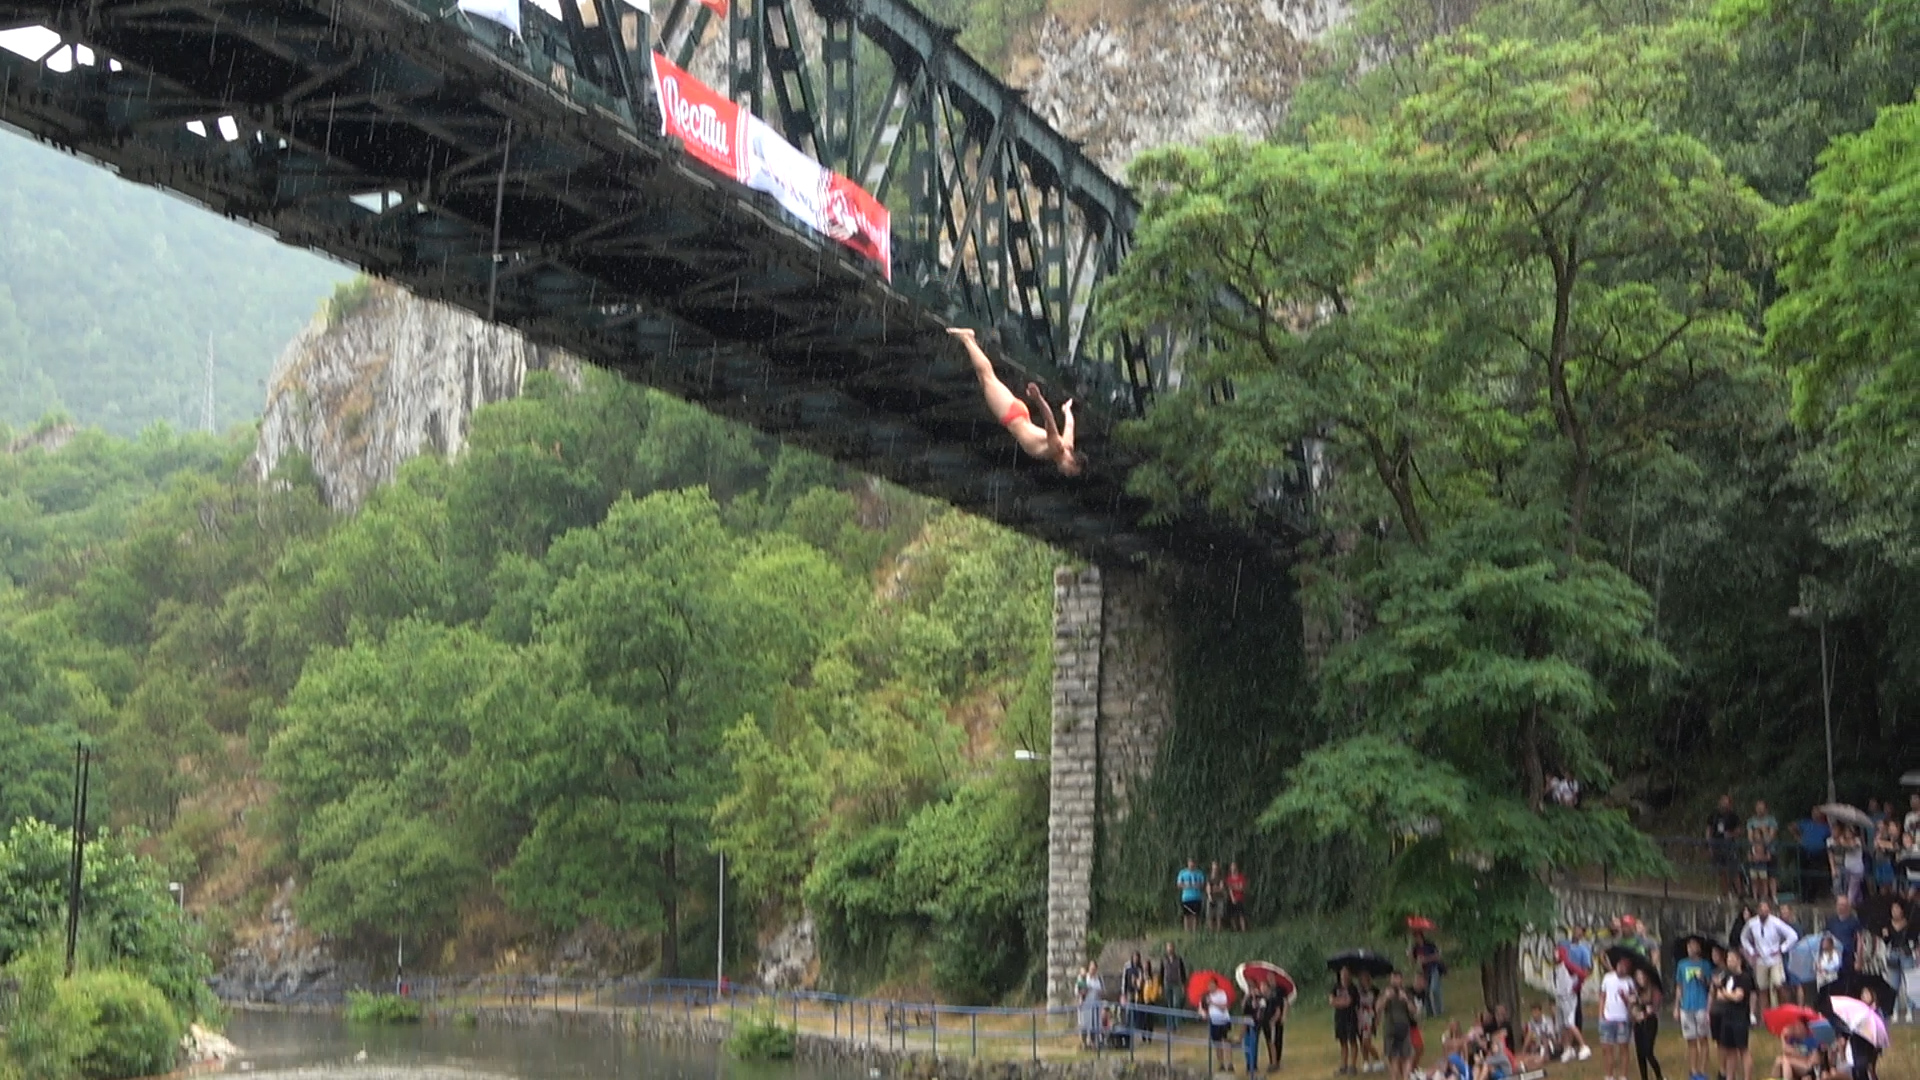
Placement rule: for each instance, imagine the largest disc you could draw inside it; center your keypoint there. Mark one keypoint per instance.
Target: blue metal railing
(1146, 1033)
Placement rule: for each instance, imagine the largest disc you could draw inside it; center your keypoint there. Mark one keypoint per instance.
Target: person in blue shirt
(1693, 978)
(1812, 834)
(1845, 928)
(1192, 884)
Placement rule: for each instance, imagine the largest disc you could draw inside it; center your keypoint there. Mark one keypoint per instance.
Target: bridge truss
(524, 178)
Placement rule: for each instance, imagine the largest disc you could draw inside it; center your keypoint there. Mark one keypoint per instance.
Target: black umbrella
(1617, 953)
(1359, 960)
(1708, 943)
(1852, 983)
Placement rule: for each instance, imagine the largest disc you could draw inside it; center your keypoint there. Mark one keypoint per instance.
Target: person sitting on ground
(1800, 1057)
(1049, 443)
(1541, 1044)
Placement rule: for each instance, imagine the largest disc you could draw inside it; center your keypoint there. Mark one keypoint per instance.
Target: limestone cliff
(1124, 76)
(382, 377)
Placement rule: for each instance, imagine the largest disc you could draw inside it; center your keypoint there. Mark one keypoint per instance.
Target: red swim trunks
(1016, 411)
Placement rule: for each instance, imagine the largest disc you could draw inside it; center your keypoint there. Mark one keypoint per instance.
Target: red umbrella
(1265, 973)
(1420, 923)
(1202, 983)
(1781, 1017)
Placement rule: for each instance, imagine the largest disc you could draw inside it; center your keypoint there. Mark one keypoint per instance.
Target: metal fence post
(973, 1034)
(934, 1007)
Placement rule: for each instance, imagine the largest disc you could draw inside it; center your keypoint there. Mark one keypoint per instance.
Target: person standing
(1811, 833)
(1723, 828)
(1646, 1025)
(1219, 1028)
(1236, 897)
(1902, 941)
(1766, 940)
(1847, 860)
(1397, 1013)
(1733, 997)
(1346, 1020)
(1365, 997)
(1192, 885)
(1425, 955)
(1277, 1028)
(1617, 996)
(1253, 1013)
(1173, 980)
(1091, 994)
(1845, 928)
(1576, 959)
(1693, 977)
(1763, 830)
(1133, 983)
(1216, 896)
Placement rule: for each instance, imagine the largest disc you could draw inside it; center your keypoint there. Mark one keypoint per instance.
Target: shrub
(348, 297)
(382, 1008)
(761, 1038)
(135, 1030)
(49, 1027)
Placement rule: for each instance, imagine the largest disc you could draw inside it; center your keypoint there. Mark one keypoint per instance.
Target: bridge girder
(398, 137)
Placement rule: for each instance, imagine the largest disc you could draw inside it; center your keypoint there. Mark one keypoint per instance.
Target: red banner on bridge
(718, 7)
(742, 147)
(700, 117)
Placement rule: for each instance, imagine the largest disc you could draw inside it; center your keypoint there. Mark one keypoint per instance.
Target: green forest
(112, 293)
(1600, 315)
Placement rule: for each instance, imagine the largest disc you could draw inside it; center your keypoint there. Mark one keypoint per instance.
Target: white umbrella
(1852, 815)
(1862, 1020)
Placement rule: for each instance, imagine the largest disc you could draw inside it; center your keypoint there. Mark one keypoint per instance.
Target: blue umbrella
(1802, 958)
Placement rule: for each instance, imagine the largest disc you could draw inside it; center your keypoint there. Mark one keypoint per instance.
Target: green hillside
(109, 290)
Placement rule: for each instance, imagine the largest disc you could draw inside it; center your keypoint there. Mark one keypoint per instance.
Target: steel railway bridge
(522, 177)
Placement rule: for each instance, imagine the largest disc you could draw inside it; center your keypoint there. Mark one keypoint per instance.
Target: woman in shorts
(1733, 997)
(1346, 1021)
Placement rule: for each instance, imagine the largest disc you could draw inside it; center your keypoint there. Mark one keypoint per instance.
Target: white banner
(826, 201)
(504, 12)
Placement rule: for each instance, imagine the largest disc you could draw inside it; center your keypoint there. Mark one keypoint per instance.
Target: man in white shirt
(1766, 939)
(1616, 1018)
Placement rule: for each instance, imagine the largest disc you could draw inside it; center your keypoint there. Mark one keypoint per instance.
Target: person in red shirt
(1236, 897)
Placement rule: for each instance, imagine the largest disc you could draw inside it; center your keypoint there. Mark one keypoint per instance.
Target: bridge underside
(389, 138)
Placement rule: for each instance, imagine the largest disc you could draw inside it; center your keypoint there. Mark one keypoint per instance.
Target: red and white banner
(718, 7)
(742, 147)
(828, 202)
(703, 119)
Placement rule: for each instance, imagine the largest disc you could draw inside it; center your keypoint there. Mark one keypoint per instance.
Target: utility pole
(206, 401)
(720, 958)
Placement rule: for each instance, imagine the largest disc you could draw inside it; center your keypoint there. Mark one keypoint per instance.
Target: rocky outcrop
(1124, 76)
(790, 960)
(382, 378)
(280, 963)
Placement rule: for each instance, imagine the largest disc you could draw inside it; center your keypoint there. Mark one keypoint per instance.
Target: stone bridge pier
(1113, 705)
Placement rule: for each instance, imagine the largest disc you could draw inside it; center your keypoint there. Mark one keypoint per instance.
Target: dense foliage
(557, 676)
(111, 295)
(1507, 282)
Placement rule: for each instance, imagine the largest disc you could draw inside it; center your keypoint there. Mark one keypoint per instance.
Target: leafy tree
(1523, 283)
(1847, 331)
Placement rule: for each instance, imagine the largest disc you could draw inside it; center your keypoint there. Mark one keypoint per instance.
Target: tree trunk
(1530, 761)
(670, 910)
(1500, 979)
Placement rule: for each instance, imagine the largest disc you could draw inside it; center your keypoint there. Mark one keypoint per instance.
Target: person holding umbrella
(1426, 962)
(1646, 1024)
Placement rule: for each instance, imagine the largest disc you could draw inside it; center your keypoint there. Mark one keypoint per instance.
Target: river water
(275, 1046)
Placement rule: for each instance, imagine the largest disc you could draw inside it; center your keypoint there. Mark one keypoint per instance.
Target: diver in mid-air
(1049, 443)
